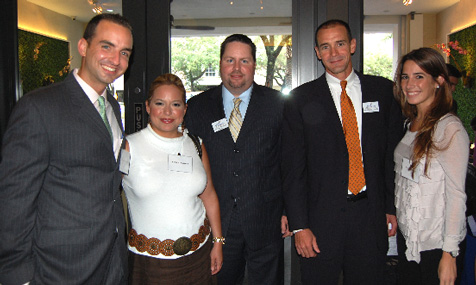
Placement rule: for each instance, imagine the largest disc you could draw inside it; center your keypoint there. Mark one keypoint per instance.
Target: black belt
(355, 198)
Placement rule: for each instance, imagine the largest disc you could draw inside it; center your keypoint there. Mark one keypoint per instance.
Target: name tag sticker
(370, 107)
(220, 125)
(125, 162)
(408, 173)
(180, 163)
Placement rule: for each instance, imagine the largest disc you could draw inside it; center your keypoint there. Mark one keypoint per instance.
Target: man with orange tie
(339, 134)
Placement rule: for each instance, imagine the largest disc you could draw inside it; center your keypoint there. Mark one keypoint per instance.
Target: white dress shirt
(93, 97)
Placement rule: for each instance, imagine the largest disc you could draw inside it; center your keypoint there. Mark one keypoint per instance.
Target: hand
(285, 227)
(306, 244)
(392, 219)
(216, 256)
(447, 269)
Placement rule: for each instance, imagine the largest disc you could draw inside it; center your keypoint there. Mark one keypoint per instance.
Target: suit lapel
(366, 97)
(85, 111)
(217, 112)
(117, 111)
(252, 115)
(328, 102)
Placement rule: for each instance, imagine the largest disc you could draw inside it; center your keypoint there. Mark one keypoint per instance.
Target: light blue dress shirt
(228, 101)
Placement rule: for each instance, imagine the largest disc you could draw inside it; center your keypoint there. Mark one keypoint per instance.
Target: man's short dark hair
(238, 38)
(332, 23)
(453, 71)
(94, 22)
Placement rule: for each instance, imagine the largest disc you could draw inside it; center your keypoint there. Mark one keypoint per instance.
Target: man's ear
(353, 46)
(317, 53)
(82, 46)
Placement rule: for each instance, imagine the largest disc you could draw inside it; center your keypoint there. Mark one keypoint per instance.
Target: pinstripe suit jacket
(62, 216)
(248, 169)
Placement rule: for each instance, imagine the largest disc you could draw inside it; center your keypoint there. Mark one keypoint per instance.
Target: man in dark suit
(62, 216)
(336, 229)
(244, 158)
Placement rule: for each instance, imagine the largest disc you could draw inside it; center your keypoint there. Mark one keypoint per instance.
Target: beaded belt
(169, 247)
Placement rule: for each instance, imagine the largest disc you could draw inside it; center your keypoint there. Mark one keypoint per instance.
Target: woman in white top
(171, 199)
(430, 165)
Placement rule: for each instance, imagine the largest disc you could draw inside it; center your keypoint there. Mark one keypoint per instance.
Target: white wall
(455, 18)
(34, 18)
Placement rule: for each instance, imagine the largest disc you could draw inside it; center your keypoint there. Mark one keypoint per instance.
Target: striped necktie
(351, 132)
(102, 112)
(235, 119)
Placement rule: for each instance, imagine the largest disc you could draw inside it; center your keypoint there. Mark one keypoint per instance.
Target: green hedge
(42, 60)
(466, 96)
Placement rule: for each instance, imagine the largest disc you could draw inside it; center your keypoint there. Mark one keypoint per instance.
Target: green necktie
(102, 112)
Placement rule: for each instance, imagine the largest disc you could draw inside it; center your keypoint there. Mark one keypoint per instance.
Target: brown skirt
(190, 269)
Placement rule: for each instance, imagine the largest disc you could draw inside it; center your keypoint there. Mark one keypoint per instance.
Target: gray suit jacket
(247, 170)
(62, 216)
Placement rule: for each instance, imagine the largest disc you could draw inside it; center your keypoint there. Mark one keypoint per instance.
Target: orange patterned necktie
(351, 132)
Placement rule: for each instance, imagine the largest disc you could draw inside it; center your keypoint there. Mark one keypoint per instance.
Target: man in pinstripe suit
(61, 213)
(245, 172)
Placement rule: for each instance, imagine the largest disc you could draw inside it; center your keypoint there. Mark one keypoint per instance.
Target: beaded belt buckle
(169, 247)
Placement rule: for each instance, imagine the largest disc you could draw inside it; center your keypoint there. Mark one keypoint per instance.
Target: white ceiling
(223, 16)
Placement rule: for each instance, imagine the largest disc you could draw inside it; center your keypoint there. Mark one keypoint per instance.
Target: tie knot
(343, 84)
(236, 102)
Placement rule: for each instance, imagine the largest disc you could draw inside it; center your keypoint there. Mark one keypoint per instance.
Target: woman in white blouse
(430, 165)
(176, 233)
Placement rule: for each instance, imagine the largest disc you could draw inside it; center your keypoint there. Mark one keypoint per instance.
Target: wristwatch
(454, 253)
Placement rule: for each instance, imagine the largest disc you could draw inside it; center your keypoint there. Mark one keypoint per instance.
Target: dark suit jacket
(315, 158)
(248, 170)
(62, 216)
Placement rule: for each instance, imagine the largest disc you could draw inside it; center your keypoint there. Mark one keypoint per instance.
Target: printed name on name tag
(220, 125)
(370, 107)
(180, 163)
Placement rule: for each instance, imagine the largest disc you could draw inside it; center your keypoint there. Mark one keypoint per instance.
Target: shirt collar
(90, 92)
(334, 80)
(245, 96)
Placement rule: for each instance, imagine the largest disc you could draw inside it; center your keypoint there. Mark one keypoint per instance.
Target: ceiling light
(407, 2)
(97, 9)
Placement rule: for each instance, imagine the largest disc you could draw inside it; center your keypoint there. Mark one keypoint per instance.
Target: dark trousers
(186, 270)
(264, 265)
(467, 277)
(354, 251)
(425, 272)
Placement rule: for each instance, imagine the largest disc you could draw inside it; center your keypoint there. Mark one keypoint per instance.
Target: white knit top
(431, 209)
(163, 204)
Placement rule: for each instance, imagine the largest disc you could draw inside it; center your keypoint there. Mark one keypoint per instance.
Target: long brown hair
(431, 62)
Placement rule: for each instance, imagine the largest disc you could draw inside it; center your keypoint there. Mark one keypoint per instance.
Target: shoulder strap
(196, 142)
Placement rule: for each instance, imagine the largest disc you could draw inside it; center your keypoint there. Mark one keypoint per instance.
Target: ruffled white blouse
(431, 208)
